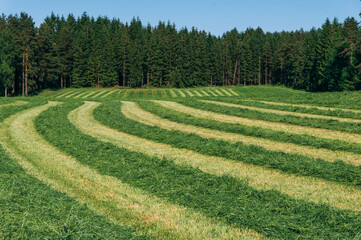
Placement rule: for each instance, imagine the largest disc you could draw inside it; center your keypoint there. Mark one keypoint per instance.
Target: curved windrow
(106, 195)
(276, 126)
(281, 112)
(16, 103)
(133, 111)
(306, 188)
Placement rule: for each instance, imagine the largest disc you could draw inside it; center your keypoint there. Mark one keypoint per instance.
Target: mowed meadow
(255, 162)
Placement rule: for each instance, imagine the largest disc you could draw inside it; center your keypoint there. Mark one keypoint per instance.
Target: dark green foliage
(88, 52)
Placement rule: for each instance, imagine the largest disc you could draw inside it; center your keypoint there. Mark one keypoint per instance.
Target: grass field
(257, 162)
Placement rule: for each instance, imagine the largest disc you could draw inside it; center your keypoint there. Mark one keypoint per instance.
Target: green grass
(225, 198)
(30, 209)
(291, 163)
(250, 131)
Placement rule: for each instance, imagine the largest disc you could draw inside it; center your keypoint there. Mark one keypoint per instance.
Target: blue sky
(212, 16)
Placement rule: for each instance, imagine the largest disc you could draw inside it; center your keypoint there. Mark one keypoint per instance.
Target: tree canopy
(87, 52)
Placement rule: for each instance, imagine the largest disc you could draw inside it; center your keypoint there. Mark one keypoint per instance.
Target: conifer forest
(78, 52)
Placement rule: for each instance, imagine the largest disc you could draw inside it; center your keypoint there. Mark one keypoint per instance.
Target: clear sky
(215, 16)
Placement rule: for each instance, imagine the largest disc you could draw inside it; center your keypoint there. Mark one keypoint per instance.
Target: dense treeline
(85, 52)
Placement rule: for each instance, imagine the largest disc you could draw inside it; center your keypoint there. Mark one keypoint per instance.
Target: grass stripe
(108, 94)
(154, 93)
(189, 93)
(306, 188)
(89, 94)
(197, 93)
(99, 93)
(16, 103)
(64, 94)
(106, 195)
(133, 111)
(316, 132)
(181, 93)
(227, 93)
(210, 91)
(233, 92)
(172, 93)
(61, 91)
(164, 94)
(81, 94)
(70, 95)
(311, 106)
(204, 93)
(218, 92)
(281, 112)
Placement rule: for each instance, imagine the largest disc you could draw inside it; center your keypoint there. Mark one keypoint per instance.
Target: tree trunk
(61, 81)
(13, 88)
(6, 92)
(148, 78)
(234, 73)
(26, 73)
(23, 81)
(239, 75)
(123, 73)
(259, 71)
(211, 80)
(265, 72)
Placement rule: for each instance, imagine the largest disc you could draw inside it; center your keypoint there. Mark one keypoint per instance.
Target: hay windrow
(281, 112)
(311, 106)
(71, 95)
(233, 92)
(181, 93)
(98, 94)
(276, 126)
(107, 196)
(204, 93)
(89, 94)
(218, 92)
(210, 91)
(108, 94)
(306, 188)
(227, 93)
(64, 94)
(189, 93)
(172, 93)
(133, 111)
(16, 103)
(81, 94)
(197, 93)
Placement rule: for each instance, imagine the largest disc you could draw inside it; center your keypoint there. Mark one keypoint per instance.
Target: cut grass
(99, 93)
(218, 92)
(181, 93)
(204, 93)
(108, 94)
(233, 92)
(106, 195)
(311, 106)
(230, 200)
(172, 93)
(81, 94)
(189, 93)
(316, 132)
(16, 103)
(89, 94)
(280, 112)
(30, 209)
(64, 94)
(197, 93)
(212, 93)
(227, 93)
(133, 111)
(305, 188)
(71, 95)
